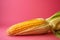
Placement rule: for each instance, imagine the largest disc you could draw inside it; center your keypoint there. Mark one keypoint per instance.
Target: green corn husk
(54, 22)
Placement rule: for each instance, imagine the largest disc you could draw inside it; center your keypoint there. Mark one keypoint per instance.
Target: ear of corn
(34, 26)
(54, 21)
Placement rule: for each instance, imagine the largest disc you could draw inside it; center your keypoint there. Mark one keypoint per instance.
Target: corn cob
(54, 21)
(34, 26)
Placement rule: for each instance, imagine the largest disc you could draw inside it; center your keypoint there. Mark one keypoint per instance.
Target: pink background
(14, 11)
